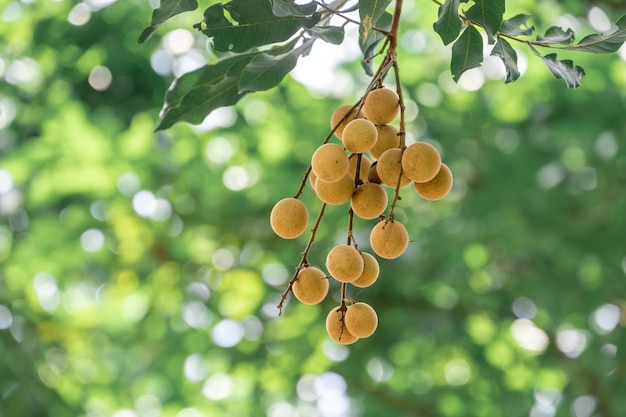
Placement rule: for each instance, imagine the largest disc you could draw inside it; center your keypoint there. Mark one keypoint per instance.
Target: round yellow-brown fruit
(421, 161)
(366, 163)
(311, 285)
(338, 116)
(337, 192)
(387, 138)
(329, 162)
(361, 320)
(381, 106)
(344, 263)
(388, 168)
(438, 187)
(369, 200)
(289, 218)
(370, 273)
(389, 239)
(359, 135)
(336, 330)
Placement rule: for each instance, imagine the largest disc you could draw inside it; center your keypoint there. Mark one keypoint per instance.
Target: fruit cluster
(341, 173)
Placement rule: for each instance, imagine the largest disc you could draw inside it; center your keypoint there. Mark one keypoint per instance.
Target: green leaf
(204, 98)
(448, 26)
(281, 8)
(565, 69)
(603, 44)
(556, 35)
(369, 43)
(266, 70)
(370, 11)
(516, 26)
(253, 24)
(330, 34)
(488, 14)
(507, 54)
(467, 52)
(167, 9)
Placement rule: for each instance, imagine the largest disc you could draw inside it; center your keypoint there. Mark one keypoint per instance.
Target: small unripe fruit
(369, 200)
(339, 114)
(361, 320)
(438, 187)
(421, 161)
(387, 138)
(336, 330)
(289, 218)
(329, 162)
(371, 269)
(389, 239)
(344, 263)
(311, 285)
(366, 163)
(359, 136)
(337, 192)
(388, 168)
(381, 106)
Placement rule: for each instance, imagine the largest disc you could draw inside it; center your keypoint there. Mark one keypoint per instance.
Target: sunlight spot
(252, 328)
(524, 308)
(222, 117)
(95, 5)
(24, 71)
(493, 68)
(144, 203)
(275, 274)
(306, 388)
(571, 342)
(125, 413)
(189, 412)
(622, 52)
(414, 41)
(188, 62)
(18, 220)
(218, 386)
(507, 140)
(100, 78)
(8, 111)
(223, 259)
(585, 180)
(567, 21)
(606, 318)
(237, 178)
(429, 94)
(148, 405)
(379, 369)
(331, 391)
(196, 314)
(12, 12)
(162, 62)
(335, 352)
(178, 41)
(128, 184)
(599, 20)
(227, 333)
(219, 150)
(196, 368)
(6, 318)
(583, 406)
(79, 15)
(472, 80)
(47, 291)
(550, 175)
(528, 336)
(135, 307)
(281, 409)
(606, 145)
(199, 290)
(457, 372)
(92, 240)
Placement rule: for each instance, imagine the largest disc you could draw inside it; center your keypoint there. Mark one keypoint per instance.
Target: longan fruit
(371, 269)
(329, 162)
(312, 178)
(337, 192)
(372, 174)
(311, 285)
(366, 163)
(387, 138)
(421, 161)
(389, 239)
(289, 218)
(361, 320)
(344, 263)
(388, 168)
(359, 135)
(339, 114)
(334, 328)
(438, 187)
(381, 106)
(369, 200)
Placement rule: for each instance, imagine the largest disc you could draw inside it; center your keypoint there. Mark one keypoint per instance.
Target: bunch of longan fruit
(342, 173)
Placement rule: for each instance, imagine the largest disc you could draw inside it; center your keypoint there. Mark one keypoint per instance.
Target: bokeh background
(139, 276)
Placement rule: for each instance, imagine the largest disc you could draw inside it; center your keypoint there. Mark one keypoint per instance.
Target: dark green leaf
(369, 43)
(369, 12)
(565, 69)
(167, 9)
(603, 44)
(488, 14)
(448, 26)
(283, 8)
(516, 26)
(507, 54)
(467, 52)
(204, 98)
(330, 34)
(266, 70)
(253, 25)
(556, 35)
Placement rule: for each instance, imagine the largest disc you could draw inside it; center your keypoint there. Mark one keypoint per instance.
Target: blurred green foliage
(139, 275)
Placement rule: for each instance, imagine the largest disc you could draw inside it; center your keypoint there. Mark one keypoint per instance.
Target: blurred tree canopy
(139, 276)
